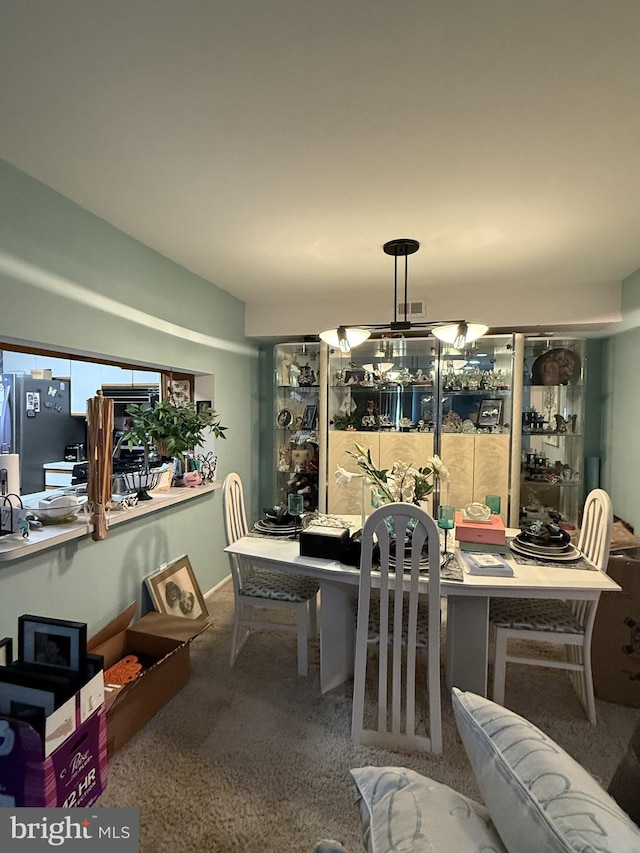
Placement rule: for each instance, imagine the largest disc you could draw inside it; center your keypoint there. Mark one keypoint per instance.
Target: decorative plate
(557, 366)
(284, 418)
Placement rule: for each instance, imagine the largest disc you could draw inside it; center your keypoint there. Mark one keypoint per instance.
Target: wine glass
(295, 505)
(446, 522)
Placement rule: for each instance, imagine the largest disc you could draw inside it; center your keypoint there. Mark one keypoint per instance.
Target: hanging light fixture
(401, 248)
(460, 334)
(345, 338)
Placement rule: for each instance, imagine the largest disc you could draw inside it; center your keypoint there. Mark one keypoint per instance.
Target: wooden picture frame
(179, 387)
(174, 590)
(489, 413)
(6, 651)
(57, 644)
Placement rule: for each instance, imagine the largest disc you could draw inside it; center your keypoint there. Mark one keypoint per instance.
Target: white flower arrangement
(401, 482)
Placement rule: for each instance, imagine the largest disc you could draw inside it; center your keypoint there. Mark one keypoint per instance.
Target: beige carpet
(256, 759)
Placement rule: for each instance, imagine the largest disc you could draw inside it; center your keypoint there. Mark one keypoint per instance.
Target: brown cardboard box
(162, 642)
(615, 652)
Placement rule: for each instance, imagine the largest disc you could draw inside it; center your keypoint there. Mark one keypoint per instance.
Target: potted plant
(174, 430)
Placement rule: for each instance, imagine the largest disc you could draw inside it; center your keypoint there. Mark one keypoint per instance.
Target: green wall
(70, 281)
(621, 409)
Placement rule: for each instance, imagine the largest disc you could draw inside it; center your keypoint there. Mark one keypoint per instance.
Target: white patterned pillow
(405, 812)
(539, 798)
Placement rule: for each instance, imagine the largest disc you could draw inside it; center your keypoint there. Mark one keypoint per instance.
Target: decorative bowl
(56, 513)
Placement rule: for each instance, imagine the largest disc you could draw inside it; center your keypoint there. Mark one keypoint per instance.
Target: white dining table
(467, 639)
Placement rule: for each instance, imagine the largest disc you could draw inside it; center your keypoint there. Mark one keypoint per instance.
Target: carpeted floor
(256, 760)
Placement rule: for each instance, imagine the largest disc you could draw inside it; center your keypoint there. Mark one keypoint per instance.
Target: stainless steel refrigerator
(36, 423)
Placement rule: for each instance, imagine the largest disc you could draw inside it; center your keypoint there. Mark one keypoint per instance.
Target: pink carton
(490, 533)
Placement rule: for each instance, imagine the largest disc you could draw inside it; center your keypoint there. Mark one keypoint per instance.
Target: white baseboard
(214, 589)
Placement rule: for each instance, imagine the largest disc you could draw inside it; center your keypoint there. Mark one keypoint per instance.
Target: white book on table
(486, 564)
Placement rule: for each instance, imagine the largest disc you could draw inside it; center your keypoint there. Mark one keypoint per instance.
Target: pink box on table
(490, 533)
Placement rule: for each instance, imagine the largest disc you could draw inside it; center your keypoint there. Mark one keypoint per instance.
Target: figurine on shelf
(452, 422)
(294, 374)
(284, 458)
(313, 462)
(299, 458)
(561, 423)
(307, 376)
(371, 418)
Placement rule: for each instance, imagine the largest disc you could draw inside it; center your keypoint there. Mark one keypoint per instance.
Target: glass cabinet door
(405, 398)
(383, 385)
(296, 419)
(476, 420)
(551, 465)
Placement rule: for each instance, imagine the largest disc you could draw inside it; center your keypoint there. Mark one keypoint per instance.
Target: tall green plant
(173, 429)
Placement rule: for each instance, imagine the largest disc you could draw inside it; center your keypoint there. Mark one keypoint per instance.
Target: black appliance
(74, 453)
(36, 422)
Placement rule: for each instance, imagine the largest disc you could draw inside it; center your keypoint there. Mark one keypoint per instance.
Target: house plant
(173, 429)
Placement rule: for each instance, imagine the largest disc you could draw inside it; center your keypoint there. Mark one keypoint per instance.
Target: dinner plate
(275, 529)
(547, 550)
(565, 548)
(562, 557)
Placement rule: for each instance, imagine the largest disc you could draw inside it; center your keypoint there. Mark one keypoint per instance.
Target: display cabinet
(552, 431)
(408, 398)
(299, 454)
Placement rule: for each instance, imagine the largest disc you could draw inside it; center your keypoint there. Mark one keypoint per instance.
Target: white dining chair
(399, 621)
(567, 623)
(256, 588)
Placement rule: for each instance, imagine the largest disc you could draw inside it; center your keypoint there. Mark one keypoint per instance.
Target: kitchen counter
(13, 546)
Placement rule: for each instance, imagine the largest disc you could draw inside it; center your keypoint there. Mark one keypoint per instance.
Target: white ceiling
(273, 146)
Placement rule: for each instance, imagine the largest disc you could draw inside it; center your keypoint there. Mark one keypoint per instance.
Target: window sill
(13, 546)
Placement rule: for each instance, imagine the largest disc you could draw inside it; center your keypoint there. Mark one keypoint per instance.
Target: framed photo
(309, 417)
(29, 704)
(489, 413)
(202, 405)
(56, 643)
(178, 387)
(174, 590)
(6, 651)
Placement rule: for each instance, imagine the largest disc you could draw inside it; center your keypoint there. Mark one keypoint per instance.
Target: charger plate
(533, 553)
(271, 529)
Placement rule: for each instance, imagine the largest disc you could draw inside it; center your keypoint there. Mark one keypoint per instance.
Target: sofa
(537, 799)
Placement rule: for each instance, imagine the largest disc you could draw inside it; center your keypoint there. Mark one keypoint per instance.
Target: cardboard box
(491, 532)
(40, 373)
(161, 643)
(615, 648)
(74, 774)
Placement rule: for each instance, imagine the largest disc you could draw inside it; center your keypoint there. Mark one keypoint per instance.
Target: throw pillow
(539, 798)
(404, 811)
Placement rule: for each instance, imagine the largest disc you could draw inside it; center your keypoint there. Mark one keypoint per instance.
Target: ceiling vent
(416, 310)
